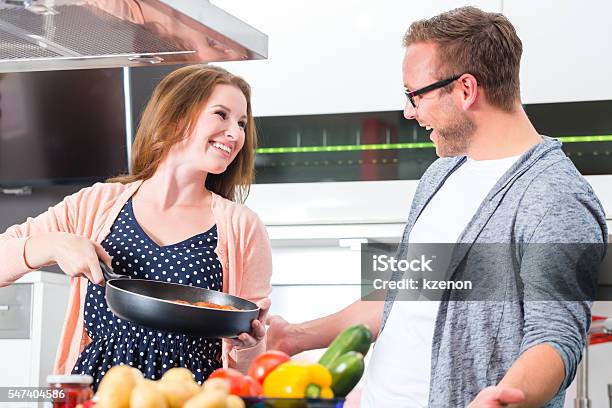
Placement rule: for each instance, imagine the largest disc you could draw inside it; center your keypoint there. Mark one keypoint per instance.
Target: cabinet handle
(4, 308)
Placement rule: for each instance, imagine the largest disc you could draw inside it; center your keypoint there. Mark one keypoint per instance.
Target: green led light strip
(398, 146)
(344, 148)
(585, 139)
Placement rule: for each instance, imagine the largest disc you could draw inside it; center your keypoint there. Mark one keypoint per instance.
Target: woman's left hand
(258, 329)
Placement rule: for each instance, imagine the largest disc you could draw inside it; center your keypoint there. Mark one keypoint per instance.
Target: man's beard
(455, 137)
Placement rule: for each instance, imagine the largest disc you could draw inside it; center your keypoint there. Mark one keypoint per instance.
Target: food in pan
(205, 304)
(214, 306)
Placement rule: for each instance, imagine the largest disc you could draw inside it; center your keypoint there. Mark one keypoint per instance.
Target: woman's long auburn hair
(168, 118)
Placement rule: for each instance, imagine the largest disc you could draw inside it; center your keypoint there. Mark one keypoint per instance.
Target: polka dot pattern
(190, 262)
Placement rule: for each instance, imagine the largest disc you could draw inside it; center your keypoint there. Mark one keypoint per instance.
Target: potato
(120, 374)
(177, 393)
(234, 401)
(116, 386)
(207, 399)
(216, 384)
(178, 374)
(116, 397)
(147, 395)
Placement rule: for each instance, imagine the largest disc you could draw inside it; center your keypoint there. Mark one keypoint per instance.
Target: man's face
(438, 109)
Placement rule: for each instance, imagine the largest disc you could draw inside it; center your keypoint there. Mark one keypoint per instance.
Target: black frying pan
(148, 303)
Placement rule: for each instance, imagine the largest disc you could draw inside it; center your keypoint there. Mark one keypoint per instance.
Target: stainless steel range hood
(43, 35)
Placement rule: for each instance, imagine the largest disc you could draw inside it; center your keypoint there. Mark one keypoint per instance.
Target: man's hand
(496, 397)
(278, 335)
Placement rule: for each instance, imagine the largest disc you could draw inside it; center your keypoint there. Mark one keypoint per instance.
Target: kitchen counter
(45, 277)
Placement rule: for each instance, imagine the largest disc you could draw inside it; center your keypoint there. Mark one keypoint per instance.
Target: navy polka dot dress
(116, 341)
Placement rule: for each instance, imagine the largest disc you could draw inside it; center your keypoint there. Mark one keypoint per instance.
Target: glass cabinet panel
(385, 146)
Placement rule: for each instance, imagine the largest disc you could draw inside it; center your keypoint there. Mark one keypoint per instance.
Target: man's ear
(469, 90)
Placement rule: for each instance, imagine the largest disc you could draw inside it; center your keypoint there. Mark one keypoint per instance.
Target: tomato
(251, 388)
(234, 378)
(241, 385)
(265, 363)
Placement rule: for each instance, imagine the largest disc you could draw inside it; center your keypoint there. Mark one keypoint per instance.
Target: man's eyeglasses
(412, 94)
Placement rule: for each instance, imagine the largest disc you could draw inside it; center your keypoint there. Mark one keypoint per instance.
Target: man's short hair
(472, 41)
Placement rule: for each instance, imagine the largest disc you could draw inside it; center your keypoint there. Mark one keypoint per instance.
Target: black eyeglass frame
(429, 88)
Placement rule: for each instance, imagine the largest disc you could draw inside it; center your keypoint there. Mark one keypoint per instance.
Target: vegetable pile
(272, 374)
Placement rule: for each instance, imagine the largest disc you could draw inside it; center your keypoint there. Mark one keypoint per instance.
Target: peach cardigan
(243, 250)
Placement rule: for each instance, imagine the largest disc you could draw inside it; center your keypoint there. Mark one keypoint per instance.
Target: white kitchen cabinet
(379, 204)
(349, 202)
(567, 52)
(345, 56)
(331, 56)
(32, 314)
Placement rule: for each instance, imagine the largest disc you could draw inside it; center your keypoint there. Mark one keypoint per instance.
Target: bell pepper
(290, 380)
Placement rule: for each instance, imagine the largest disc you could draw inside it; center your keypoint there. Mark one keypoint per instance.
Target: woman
(173, 219)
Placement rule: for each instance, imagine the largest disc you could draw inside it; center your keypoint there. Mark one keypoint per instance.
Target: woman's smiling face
(218, 133)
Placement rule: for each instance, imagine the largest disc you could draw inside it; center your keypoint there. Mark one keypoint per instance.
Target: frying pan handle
(109, 274)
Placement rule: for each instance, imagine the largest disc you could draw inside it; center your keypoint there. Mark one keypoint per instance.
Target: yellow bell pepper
(290, 380)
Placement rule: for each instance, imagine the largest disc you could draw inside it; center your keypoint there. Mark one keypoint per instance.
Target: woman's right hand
(75, 255)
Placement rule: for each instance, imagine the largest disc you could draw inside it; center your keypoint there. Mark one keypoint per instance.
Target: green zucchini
(356, 338)
(346, 371)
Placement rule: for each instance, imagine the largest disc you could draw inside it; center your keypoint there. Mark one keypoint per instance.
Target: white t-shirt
(399, 370)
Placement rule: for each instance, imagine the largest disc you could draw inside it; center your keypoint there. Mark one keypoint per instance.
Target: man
(497, 181)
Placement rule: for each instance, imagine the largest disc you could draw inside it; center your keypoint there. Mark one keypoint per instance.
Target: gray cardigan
(541, 199)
